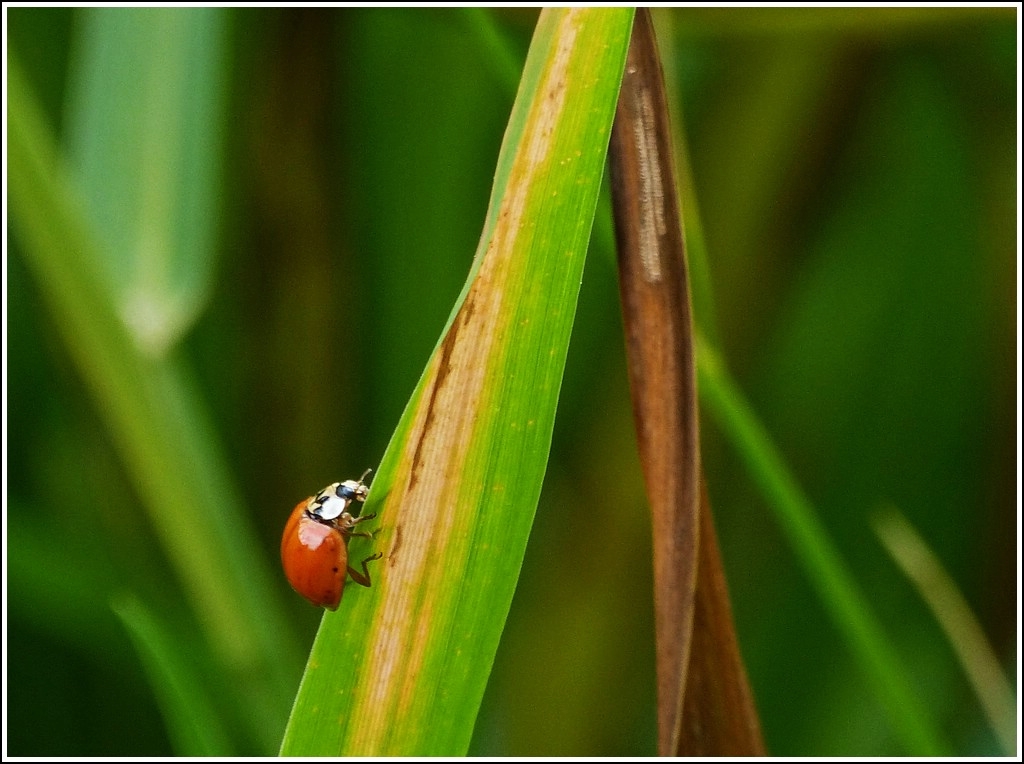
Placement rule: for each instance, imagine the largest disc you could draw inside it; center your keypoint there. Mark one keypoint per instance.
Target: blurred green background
(855, 171)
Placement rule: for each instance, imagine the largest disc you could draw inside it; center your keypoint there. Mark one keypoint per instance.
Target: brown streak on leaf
(443, 365)
(395, 545)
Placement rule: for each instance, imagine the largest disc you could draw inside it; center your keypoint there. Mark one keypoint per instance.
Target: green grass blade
(961, 627)
(498, 52)
(401, 669)
(40, 589)
(192, 722)
(156, 419)
(143, 134)
(815, 551)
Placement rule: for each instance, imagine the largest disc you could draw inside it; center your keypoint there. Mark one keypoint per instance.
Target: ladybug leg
(353, 521)
(363, 579)
(347, 522)
(364, 534)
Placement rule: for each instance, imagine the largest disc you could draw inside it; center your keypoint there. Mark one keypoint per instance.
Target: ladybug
(314, 548)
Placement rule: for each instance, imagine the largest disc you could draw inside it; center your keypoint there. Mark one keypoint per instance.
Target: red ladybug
(314, 548)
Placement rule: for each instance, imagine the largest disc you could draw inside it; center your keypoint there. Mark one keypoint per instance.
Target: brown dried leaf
(692, 628)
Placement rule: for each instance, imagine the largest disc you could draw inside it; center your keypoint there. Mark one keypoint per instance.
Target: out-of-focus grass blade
(864, 20)
(954, 615)
(41, 591)
(156, 420)
(825, 568)
(499, 53)
(192, 723)
(143, 135)
(401, 669)
(659, 340)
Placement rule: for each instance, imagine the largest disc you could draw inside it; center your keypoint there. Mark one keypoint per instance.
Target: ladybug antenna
(363, 476)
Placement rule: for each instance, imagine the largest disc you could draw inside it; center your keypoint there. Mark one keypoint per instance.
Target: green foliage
(322, 180)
